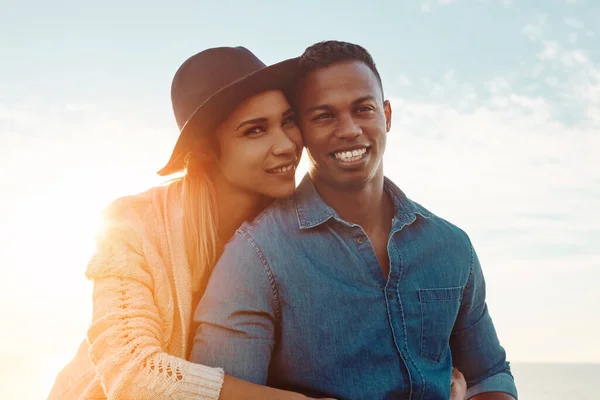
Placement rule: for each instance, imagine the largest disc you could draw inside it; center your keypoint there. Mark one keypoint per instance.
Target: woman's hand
(234, 389)
(458, 386)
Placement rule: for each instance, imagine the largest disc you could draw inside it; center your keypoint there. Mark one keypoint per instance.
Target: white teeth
(282, 169)
(350, 156)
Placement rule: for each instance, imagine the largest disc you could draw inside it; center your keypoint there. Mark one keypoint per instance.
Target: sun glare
(48, 239)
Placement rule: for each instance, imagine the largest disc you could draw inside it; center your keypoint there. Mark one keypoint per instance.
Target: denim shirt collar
(313, 211)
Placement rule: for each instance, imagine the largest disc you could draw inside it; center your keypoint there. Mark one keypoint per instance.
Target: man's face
(344, 122)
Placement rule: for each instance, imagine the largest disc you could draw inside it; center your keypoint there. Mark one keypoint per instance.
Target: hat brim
(210, 114)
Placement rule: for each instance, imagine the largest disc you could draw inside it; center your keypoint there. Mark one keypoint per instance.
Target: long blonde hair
(200, 219)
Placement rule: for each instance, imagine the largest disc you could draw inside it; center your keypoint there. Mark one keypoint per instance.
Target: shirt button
(404, 356)
(390, 295)
(360, 240)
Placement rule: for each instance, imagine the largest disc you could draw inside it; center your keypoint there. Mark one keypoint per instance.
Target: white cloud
(498, 85)
(403, 80)
(428, 6)
(449, 78)
(80, 107)
(537, 70)
(551, 81)
(581, 83)
(574, 23)
(573, 37)
(550, 50)
(535, 29)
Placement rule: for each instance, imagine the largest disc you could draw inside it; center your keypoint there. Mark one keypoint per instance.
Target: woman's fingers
(458, 386)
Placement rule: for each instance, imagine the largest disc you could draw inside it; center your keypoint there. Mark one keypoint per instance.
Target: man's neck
(367, 206)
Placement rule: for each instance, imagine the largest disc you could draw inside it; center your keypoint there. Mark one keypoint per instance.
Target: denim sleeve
(236, 316)
(476, 350)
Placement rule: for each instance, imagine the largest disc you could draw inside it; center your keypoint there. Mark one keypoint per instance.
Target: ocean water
(23, 379)
(557, 381)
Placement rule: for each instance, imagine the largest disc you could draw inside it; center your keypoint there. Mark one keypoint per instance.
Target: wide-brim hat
(209, 85)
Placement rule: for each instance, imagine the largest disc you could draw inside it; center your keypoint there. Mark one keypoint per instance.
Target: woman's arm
(127, 336)
(234, 389)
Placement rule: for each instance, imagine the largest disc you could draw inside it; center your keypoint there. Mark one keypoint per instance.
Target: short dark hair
(324, 54)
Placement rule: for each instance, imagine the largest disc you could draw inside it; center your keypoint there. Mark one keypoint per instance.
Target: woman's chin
(281, 191)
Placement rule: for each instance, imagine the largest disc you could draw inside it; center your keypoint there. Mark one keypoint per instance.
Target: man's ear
(387, 110)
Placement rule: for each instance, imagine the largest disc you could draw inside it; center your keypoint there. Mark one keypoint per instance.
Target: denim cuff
(502, 382)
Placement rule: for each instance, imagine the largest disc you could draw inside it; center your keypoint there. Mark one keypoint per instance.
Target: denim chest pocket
(439, 308)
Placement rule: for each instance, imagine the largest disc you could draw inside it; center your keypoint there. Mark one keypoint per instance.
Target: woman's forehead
(269, 104)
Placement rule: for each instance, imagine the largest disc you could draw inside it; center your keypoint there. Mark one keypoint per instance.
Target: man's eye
(321, 116)
(289, 120)
(365, 109)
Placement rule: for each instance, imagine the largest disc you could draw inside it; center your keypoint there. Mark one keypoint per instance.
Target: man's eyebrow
(321, 107)
(251, 122)
(363, 99)
(325, 107)
(287, 112)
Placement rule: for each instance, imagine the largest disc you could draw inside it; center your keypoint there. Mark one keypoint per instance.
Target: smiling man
(349, 289)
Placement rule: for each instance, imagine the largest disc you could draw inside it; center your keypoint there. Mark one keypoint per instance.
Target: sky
(496, 126)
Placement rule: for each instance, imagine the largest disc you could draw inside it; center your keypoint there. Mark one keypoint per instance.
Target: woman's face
(260, 146)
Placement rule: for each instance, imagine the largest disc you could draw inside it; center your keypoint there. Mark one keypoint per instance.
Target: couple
(341, 288)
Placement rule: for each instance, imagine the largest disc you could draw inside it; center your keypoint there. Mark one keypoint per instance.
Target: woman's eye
(253, 131)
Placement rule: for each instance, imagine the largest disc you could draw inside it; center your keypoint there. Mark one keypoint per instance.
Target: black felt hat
(209, 85)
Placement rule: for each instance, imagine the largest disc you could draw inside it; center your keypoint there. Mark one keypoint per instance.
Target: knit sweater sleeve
(127, 337)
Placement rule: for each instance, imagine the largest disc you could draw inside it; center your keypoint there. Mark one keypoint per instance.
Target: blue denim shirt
(299, 301)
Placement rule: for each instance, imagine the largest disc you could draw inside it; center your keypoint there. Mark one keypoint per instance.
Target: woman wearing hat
(238, 150)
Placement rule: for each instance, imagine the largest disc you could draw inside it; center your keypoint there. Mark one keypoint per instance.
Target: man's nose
(348, 128)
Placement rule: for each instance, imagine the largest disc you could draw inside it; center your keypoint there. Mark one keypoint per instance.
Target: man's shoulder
(254, 241)
(275, 223)
(439, 233)
(279, 217)
(441, 224)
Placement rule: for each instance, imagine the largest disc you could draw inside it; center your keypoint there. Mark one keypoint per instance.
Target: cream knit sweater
(137, 342)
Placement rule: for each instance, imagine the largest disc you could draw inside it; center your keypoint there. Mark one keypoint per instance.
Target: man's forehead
(355, 71)
(344, 79)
